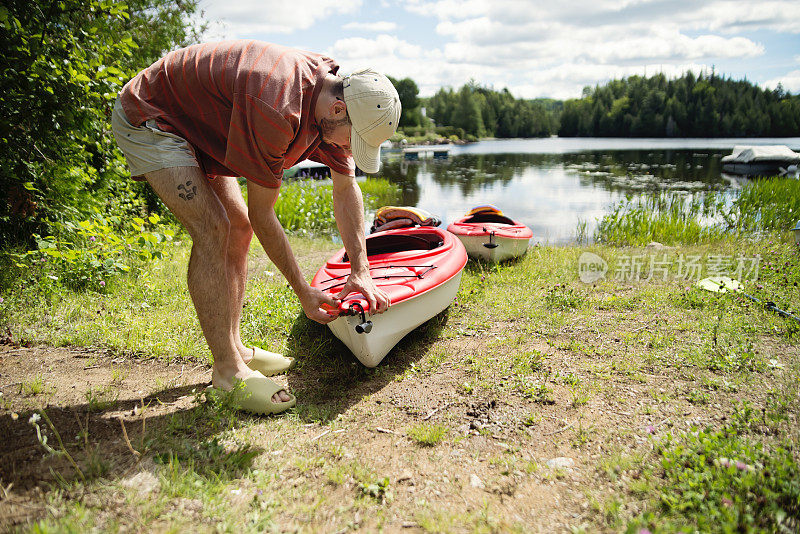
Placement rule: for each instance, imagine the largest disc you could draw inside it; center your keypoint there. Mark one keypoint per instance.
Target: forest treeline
(473, 111)
(482, 112)
(689, 106)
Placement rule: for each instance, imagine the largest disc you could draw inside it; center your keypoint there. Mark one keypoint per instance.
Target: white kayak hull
(507, 247)
(390, 327)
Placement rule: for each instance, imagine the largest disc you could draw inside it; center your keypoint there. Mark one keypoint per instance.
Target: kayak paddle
(723, 284)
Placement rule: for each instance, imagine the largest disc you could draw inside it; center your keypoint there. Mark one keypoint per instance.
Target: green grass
(151, 312)
(34, 386)
(721, 481)
(206, 452)
(551, 350)
(307, 206)
(100, 399)
(427, 435)
(765, 205)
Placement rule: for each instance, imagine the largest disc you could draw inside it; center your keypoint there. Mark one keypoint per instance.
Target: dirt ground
(534, 465)
(121, 383)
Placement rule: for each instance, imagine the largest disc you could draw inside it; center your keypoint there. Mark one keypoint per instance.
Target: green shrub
(88, 254)
(62, 65)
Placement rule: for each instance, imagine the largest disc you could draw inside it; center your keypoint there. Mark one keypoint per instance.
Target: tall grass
(307, 206)
(676, 218)
(766, 205)
(666, 217)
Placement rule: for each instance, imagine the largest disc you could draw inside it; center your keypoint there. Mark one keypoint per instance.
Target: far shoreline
(692, 141)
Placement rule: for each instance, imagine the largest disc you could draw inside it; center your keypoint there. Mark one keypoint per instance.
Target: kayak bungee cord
(410, 274)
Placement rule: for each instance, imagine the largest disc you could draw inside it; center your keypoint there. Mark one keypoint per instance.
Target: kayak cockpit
(393, 243)
(488, 217)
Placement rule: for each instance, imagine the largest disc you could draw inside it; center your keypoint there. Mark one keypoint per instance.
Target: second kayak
(488, 234)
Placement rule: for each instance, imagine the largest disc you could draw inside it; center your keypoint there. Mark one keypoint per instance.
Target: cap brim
(367, 157)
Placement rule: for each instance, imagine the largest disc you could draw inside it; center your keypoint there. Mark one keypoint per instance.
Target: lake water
(552, 184)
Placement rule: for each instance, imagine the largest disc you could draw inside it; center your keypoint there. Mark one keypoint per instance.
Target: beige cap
(374, 110)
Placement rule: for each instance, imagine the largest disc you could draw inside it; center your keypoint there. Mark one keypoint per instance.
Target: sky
(533, 48)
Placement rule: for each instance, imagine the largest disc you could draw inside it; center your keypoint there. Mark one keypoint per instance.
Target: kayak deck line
(411, 274)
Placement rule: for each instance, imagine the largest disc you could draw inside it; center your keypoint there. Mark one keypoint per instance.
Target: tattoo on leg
(188, 194)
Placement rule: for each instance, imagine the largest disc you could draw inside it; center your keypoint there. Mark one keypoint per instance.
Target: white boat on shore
(761, 160)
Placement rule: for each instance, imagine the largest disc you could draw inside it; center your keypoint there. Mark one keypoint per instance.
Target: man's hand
(363, 283)
(271, 235)
(348, 206)
(312, 300)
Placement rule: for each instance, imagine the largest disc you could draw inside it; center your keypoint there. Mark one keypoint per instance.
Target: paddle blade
(719, 284)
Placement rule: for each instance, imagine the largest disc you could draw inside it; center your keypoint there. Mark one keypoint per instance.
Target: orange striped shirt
(247, 107)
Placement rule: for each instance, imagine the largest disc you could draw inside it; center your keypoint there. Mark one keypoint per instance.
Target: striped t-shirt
(247, 107)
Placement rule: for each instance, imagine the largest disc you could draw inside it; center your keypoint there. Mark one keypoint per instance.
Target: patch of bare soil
(89, 395)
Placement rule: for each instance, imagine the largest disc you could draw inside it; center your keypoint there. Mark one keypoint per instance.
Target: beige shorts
(147, 148)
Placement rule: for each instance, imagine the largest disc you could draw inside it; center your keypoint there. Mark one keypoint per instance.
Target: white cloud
(566, 81)
(533, 48)
(486, 41)
(715, 14)
(248, 18)
(732, 16)
(378, 27)
(671, 46)
(360, 49)
(591, 40)
(790, 82)
(596, 47)
(448, 9)
(400, 59)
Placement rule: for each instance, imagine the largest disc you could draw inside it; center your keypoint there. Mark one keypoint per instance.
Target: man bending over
(203, 115)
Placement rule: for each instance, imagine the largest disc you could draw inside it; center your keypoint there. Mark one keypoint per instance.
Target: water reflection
(633, 171)
(403, 174)
(552, 192)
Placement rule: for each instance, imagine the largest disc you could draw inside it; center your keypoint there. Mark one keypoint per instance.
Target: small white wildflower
(34, 419)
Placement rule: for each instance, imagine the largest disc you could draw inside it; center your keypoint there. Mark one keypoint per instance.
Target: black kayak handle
(491, 243)
(365, 326)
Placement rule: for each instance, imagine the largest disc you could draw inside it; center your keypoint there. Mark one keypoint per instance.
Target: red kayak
(419, 268)
(488, 234)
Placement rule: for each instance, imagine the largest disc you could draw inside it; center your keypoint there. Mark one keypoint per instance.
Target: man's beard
(328, 126)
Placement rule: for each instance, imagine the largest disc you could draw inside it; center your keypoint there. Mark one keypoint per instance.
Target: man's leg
(187, 193)
(230, 195)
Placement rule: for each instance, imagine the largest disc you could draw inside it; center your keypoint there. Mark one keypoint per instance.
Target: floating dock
(426, 152)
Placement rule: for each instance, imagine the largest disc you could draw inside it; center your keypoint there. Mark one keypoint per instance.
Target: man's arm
(261, 202)
(348, 208)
